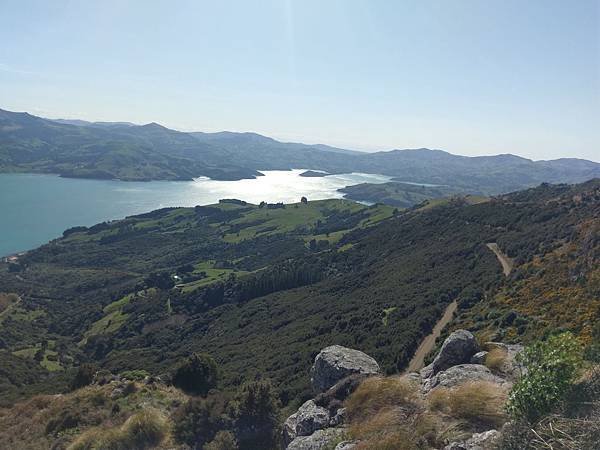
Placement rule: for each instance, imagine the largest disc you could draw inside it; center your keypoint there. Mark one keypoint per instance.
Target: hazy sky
(470, 77)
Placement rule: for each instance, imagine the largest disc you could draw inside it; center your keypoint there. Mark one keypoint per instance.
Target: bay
(36, 208)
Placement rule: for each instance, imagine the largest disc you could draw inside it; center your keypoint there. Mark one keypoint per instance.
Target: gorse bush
(552, 367)
(197, 374)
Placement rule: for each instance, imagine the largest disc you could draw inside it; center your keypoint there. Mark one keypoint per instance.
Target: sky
(470, 77)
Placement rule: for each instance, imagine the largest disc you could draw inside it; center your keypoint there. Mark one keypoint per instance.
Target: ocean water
(37, 208)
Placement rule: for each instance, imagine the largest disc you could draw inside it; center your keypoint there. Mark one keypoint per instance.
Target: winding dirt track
(507, 263)
(427, 344)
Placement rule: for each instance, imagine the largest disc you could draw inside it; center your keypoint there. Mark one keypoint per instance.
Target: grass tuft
(477, 402)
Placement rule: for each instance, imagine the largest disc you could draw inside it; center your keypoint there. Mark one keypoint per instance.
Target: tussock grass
(388, 413)
(477, 402)
(496, 359)
(377, 393)
(143, 430)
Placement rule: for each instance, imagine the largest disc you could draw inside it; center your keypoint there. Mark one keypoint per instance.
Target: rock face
(317, 441)
(460, 374)
(304, 422)
(336, 362)
(458, 348)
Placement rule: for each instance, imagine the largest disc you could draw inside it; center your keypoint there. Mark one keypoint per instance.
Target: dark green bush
(197, 374)
(256, 411)
(84, 376)
(198, 420)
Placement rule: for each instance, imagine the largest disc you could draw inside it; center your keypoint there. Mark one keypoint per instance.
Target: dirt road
(417, 361)
(507, 263)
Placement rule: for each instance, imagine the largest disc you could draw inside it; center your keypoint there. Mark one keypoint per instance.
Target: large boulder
(463, 373)
(336, 362)
(304, 422)
(458, 348)
(318, 440)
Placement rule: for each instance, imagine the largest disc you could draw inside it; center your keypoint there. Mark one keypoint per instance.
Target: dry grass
(388, 413)
(377, 393)
(477, 402)
(53, 421)
(143, 430)
(496, 359)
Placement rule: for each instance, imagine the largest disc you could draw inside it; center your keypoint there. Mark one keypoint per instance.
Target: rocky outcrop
(458, 348)
(304, 422)
(336, 362)
(457, 375)
(317, 441)
(479, 441)
(336, 373)
(478, 358)
(346, 445)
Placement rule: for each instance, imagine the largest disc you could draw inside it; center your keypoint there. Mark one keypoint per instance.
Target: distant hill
(75, 148)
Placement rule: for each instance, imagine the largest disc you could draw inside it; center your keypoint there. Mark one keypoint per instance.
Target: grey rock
(336, 362)
(346, 445)
(317, 441)
(117, 392)
(478, 358)
(479, 441)
(305, 421)
(426, 372)
(458, 348)
(338, 418)
(460, 374)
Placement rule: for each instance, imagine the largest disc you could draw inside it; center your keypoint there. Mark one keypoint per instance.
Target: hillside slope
(303, 276)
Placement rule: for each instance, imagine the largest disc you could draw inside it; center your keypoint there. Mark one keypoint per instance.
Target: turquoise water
(37, 208)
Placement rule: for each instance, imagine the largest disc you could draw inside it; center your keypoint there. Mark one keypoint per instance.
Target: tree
(161, 280)
(304, 200)
(197, 374)
(84, 376)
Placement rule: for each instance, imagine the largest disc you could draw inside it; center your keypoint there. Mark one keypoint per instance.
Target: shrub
(478, 402)
(143, 430)
(552, 367)
(84, 376)
(256, 410)
(197, 374)
(198, 420)
(224, 440)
